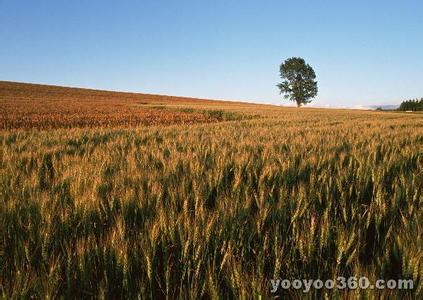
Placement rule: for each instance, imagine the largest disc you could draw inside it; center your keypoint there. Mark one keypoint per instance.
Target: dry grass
(213, 210)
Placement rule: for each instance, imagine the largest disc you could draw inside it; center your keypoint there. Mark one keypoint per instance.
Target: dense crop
(211, 210)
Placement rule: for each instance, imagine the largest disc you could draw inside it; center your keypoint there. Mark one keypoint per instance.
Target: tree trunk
(298, 102)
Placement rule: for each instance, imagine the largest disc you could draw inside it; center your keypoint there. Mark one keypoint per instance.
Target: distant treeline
(413, 105)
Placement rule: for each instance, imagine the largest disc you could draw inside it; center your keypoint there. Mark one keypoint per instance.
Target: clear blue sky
(363, 52)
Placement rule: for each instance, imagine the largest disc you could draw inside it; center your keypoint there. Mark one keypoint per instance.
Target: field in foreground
(209, 209)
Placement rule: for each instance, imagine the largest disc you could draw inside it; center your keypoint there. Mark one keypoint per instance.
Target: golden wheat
(213, 210)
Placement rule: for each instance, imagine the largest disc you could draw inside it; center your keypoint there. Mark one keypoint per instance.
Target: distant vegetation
(218, 115)
(412, 105)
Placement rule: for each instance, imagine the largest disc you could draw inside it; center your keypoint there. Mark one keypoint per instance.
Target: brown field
(28, 106)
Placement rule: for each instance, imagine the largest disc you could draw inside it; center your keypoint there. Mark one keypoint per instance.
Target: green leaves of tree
(298, 83)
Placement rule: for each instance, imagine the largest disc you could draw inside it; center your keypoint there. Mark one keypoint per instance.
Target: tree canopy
(413, 105)
(299, 84)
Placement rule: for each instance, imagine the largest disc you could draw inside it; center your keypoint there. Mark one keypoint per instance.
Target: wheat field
(211, 208)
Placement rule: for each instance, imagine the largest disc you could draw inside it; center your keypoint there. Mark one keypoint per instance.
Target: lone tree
(298, 83)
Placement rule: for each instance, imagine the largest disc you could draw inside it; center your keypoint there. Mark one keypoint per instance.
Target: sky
(363, 52)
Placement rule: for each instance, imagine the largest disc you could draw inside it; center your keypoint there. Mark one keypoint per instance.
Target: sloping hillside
(28, 106)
